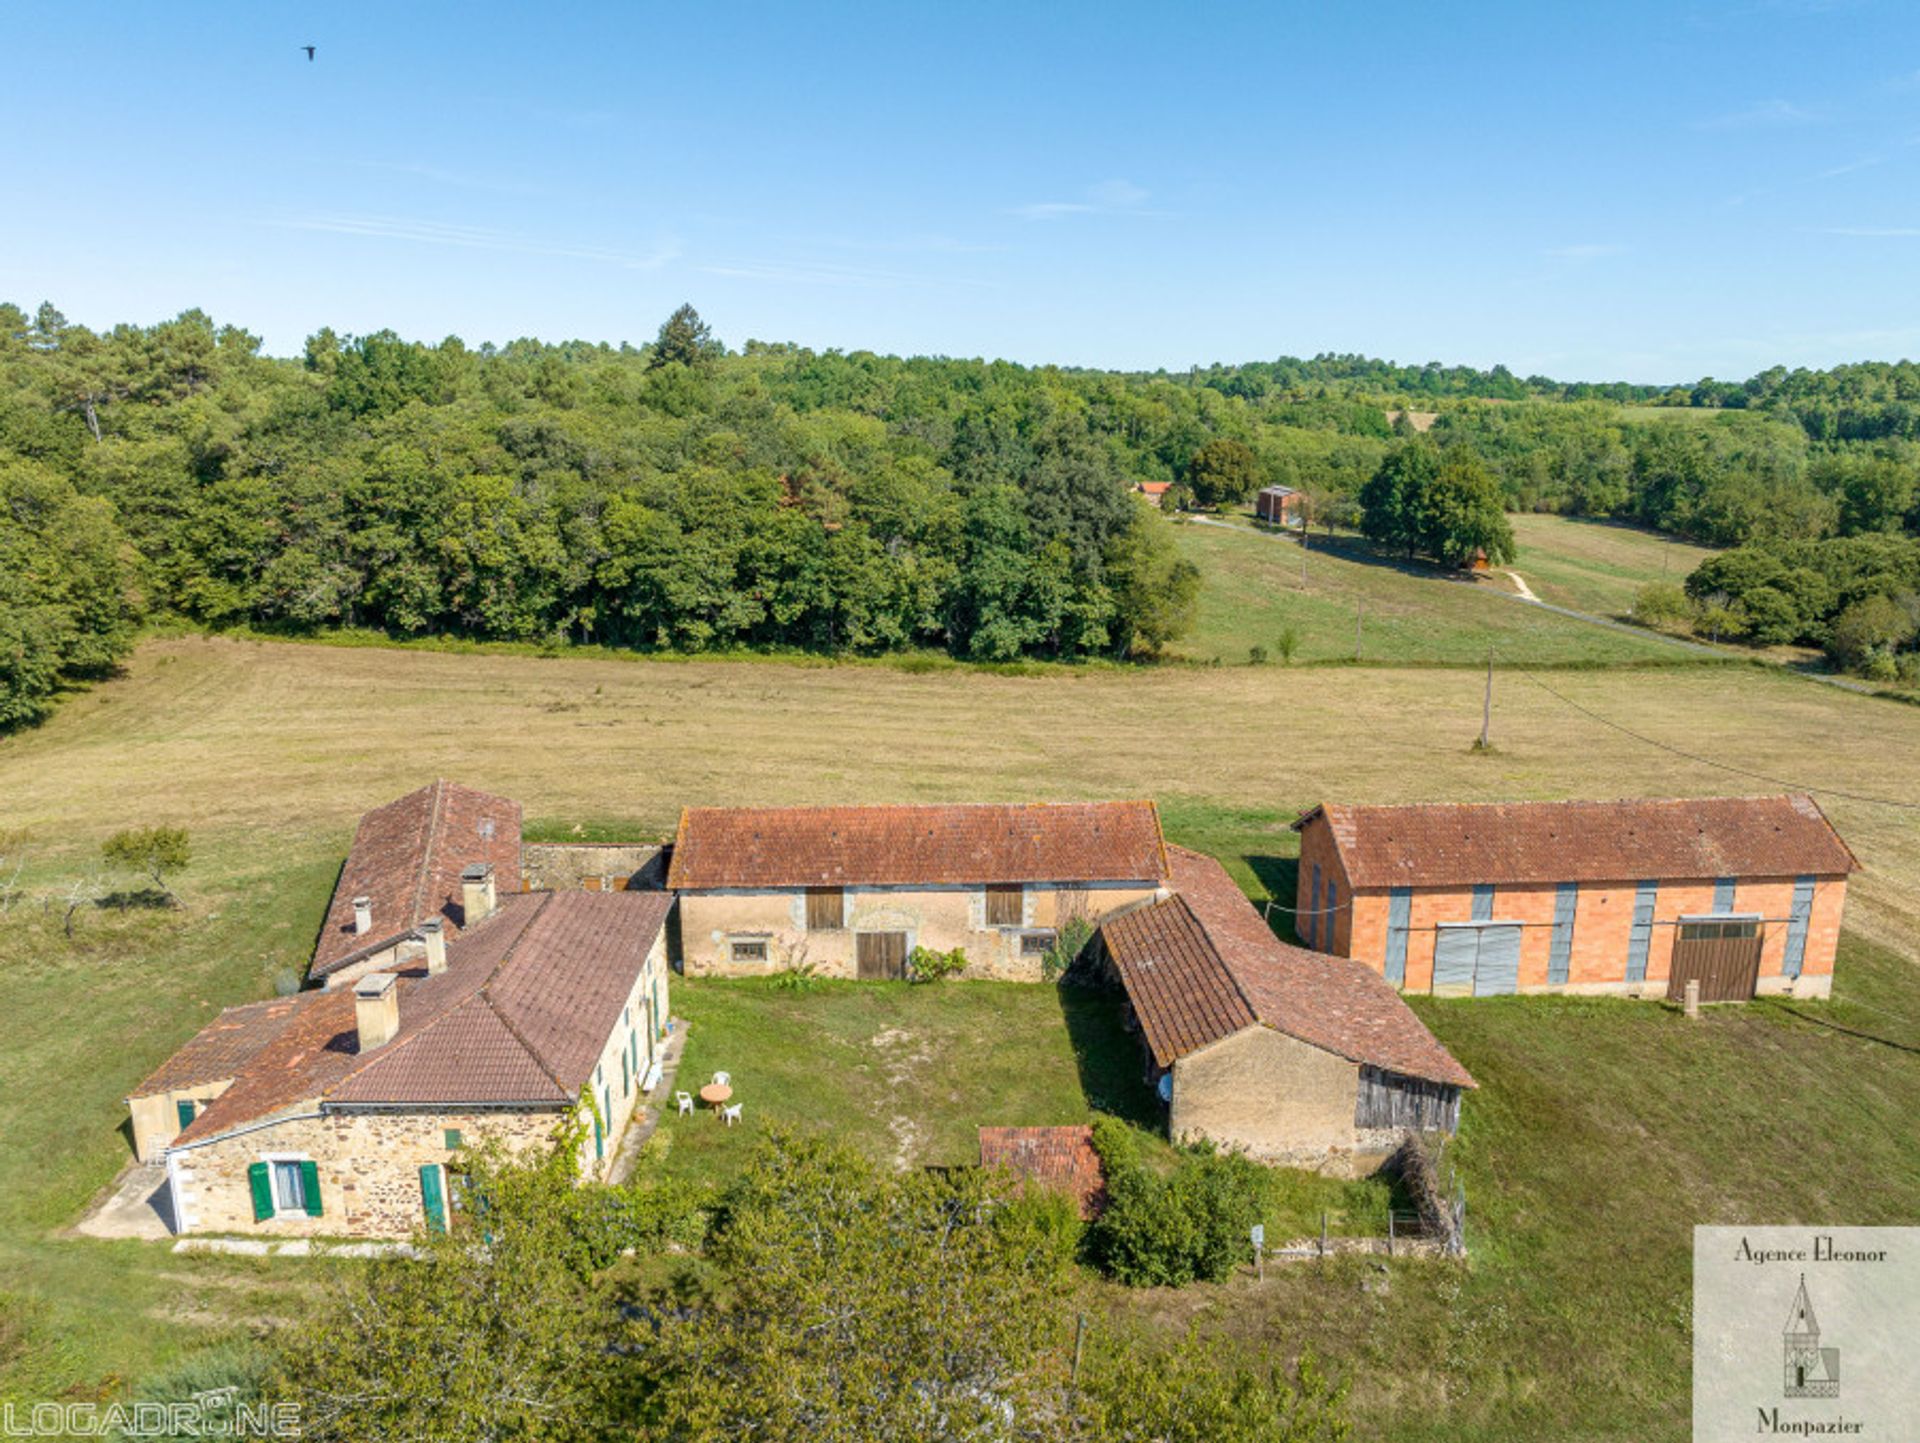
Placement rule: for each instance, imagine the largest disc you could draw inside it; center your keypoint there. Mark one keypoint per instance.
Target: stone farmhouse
(852, 891)
(1740, 895)
(342, 1111)
(1290, 1055)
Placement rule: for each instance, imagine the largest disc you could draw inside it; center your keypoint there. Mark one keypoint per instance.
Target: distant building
(1154, 491)
(1280, 506)
(1636, 898)
(1059, 1158)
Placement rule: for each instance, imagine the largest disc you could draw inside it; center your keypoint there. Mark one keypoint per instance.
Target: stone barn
(1291, 1056)
(1741, 895)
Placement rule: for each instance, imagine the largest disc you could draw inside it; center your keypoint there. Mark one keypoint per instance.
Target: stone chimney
(476, 893)
(434, 934)
(362, 915)
(376, 1007)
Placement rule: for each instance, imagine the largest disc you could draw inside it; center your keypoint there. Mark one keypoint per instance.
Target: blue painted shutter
(1723, 894)
(433, 1198)
(1566, 903)
(1313, 912)
(1483, 901)
(184, 1111)
(1399, 922)
(1639, 939)
(260, 1184)
(1797, 923)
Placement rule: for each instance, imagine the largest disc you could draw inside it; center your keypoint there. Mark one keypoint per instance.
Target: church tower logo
(1811, 1371)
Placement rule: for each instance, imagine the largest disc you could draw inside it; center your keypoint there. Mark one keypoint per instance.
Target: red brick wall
(1316, 845)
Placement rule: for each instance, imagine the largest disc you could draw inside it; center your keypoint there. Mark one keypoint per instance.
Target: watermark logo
(1774, 1311)
(216, 1413)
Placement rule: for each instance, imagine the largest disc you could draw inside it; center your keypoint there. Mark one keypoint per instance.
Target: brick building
(1741, 894)
(343, 1111)
(1289, 1055)
(852, 891)
(1280, 506)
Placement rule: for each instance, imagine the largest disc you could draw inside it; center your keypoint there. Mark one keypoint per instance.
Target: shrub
(605, 1220)
(1661, 603)
(1256, 656)
(1286, 644)
(1869, 630)
(800, 977)
(1043, 1226)
(1190, 1225)
(928, 965)
(240, 1374)
(151, 851)
(1067, 945)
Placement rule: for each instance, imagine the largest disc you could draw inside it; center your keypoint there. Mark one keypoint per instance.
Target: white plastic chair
(730, 1115)
(685, 1099)
(723, 1079)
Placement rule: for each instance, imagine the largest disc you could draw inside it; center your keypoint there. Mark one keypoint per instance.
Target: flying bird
(309, 49)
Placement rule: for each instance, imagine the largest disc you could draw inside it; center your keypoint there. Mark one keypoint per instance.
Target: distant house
(1741, 894)
(343, 1112)
(1420, 421)
(852, 891)
(1060, 1158)
(1154, 491)
(432, 853)
(1289, 1055)
(1280, 506)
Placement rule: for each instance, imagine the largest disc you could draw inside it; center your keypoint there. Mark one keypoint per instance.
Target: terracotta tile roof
(221, 1048)
(1055, 1157)
(407, 856)
(1203, 965)
(926, 845)
(520, 1015)
(1154, 488)
(1461, 843)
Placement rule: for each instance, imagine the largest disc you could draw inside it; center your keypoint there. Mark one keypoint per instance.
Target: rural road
(1525, 597)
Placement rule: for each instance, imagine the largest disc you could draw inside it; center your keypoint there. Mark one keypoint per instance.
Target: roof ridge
(1219, 952)
(486, 996)
(438, 791)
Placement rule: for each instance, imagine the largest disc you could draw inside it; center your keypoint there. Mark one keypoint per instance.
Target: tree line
(682, 496)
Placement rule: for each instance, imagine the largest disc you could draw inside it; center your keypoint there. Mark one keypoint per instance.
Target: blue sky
(1622, 191)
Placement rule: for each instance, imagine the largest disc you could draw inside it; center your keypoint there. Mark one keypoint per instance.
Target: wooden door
(881, 956)
(1723, 957)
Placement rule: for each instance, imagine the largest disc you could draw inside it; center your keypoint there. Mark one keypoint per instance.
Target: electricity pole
(1486, 707)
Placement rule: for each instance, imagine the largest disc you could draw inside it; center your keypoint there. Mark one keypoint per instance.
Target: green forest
(683, 496)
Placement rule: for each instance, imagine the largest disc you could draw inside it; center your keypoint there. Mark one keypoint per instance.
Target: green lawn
(1597, 566)
(1407, 614)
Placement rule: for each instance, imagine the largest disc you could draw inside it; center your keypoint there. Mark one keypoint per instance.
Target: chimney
(476, 893)
(376, 1007)
(434, 935)
(362, 915)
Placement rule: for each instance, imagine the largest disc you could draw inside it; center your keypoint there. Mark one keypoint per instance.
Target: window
(451, 1137)
(747, 949)
(826, 909)
(1719, 931)
(184, 1111)
(1483, 901)
(1723, 893)
(289, 1188)
(1006, 906)
(1035, 944)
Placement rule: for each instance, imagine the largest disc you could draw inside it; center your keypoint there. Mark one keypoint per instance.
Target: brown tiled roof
(520, 1015)
(1203, 965)
(1457, 844)
(221, 1048)
(926, 845)
(1055, 1157)
(407, 856)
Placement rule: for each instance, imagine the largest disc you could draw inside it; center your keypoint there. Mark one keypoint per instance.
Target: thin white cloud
(1109, 197)
(1585, 251)
(1768, 113)
(1849, 168)
(478, 238)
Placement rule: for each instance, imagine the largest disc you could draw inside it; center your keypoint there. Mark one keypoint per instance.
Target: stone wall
(593, 866)
(1277, 1099)
(940, 918)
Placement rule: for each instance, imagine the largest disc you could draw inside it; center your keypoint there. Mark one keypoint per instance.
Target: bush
(605, 1220)
(1042, 1225)
(239, 1373)
(1188, 1225)
(1661, 603)
(1286, 644)
(1256, 656)
(928, 965)
(1065, 949)
(1869, 631)
(800, 977)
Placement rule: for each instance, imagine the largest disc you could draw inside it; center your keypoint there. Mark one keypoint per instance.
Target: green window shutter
(310, 1185)
(260, 1182)
(626, 1073)
(452, 1138)
(598, 1143)
(185, 1112)
(433, 1198)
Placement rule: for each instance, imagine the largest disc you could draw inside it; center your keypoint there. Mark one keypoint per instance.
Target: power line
(1767, 777)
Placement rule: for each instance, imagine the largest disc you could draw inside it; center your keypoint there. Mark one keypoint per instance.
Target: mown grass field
(1406, 614)
(1602, 1132)
(1597, 566)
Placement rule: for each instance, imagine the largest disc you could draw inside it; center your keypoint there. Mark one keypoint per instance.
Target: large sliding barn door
(881, 956)
(1476, 959)
(1723, 957)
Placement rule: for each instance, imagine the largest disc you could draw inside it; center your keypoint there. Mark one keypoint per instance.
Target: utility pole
(1486, 708)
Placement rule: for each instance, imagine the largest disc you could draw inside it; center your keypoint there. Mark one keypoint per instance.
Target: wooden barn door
(881, 956)
(1724, 957)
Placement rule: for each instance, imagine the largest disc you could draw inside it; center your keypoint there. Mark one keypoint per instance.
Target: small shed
(1062, 1158)
(1154, 491)
(1280, 506)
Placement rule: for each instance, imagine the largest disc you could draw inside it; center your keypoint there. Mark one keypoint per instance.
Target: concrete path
(650, 1107)
(138, 1207)
(1520, 582)
(294, 1248)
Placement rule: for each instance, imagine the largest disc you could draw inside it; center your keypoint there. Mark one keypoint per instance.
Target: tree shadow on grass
(1281, 877)
(1108, 1055)
(136, 899)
